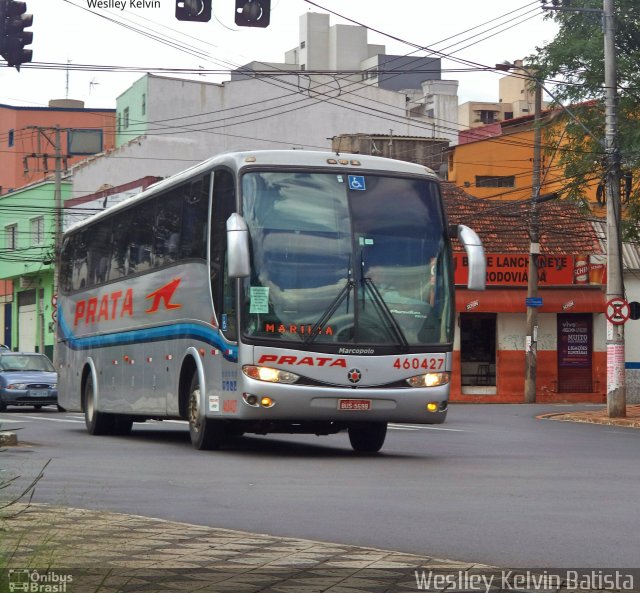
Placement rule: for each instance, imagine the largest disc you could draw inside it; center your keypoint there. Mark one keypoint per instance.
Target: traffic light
(253, 13)
(193, 10)
(13, 37)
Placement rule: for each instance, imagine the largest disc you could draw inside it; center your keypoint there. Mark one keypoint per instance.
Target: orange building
(496, 161)
(27, 138)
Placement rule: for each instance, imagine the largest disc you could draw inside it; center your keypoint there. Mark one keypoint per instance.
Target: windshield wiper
(386, 312)
(331, 309)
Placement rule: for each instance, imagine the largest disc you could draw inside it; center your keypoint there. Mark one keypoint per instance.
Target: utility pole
(616, 384)
(531, 349)
(57, 193)
(616, 380)
(531, 358)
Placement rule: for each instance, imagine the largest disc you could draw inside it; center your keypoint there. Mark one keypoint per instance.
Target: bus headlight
(429, 380)
(268, 374)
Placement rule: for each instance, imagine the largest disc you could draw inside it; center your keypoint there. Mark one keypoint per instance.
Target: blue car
(27, 379)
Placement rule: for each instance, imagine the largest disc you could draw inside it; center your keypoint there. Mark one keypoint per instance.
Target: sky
(95, 54)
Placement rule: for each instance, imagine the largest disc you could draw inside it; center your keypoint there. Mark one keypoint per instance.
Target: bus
(282, 291)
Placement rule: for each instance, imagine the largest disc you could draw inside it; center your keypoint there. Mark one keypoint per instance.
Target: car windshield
(25, 362)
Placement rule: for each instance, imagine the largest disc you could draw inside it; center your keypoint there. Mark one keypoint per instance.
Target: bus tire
(367, 437)
(122, 426)
(206, 434)
(97, 423)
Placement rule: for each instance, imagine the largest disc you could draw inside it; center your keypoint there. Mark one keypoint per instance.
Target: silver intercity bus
(265, 292)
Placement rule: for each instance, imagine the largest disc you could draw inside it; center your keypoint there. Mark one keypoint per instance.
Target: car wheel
(367, 437)
(205, 433)
(98, 423)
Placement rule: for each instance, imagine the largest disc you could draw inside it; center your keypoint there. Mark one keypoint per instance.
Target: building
(28, 222)
(516, 99)
(490, 343)
(332, 83)
(28, 137)
(27, 206)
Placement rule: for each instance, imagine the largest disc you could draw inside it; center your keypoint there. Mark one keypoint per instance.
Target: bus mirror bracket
(237, 246)
(475, 254)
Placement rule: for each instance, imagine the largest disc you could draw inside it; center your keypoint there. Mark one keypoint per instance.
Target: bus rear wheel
(206, 434)
(367, 437)
(98, 423)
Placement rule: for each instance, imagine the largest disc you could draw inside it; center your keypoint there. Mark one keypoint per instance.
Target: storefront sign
(513, 270)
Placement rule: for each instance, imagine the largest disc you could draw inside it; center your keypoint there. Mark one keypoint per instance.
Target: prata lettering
(314, 361)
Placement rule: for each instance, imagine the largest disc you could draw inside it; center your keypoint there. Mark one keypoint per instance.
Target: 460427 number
(427, 364)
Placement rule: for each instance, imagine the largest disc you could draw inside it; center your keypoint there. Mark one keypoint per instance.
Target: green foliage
(572, 65)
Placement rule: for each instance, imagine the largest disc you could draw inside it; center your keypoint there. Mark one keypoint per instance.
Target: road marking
(32, 417)
(422, 427)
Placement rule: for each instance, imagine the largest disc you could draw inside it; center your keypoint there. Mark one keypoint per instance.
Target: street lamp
(531, 346)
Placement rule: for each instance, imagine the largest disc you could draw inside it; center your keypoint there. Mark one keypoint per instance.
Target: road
(492, 485)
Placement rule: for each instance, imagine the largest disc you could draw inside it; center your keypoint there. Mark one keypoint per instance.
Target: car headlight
(53, 386)
(21, 386)
(268, 374)
(429, 380)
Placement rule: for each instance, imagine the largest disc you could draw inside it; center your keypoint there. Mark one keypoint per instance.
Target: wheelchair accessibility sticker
(356, 182)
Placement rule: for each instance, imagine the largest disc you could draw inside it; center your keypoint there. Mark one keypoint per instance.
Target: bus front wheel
(206, 434)
(98, 423)
(367, 437)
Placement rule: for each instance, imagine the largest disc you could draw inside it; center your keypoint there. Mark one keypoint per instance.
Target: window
(37, 230)
(11, 137)
(161, 231)
(486, 116)
(144, 103)
(11, 234)
(502, 181)
(303, 44)
(125, 116)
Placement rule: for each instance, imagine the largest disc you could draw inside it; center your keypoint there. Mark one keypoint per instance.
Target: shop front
(491, 332)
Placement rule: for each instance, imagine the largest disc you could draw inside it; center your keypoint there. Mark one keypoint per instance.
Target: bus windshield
(346, 259)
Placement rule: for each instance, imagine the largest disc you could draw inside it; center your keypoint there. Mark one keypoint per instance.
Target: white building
(320, 91)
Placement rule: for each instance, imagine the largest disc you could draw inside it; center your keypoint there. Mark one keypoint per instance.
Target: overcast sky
(480, 32)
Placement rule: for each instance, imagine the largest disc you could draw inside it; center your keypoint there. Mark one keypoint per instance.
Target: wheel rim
(194, 410)
(89, 405)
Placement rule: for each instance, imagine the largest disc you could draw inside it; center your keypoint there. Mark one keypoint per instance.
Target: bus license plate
(354, 404)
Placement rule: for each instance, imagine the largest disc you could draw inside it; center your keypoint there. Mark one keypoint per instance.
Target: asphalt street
(493, 485)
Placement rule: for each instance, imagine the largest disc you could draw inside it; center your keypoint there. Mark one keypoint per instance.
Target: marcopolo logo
(34, 581)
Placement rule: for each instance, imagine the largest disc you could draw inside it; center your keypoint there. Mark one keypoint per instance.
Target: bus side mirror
(475, 254)
(237, 247)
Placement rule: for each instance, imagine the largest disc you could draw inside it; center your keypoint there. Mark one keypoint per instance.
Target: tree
(575, 58)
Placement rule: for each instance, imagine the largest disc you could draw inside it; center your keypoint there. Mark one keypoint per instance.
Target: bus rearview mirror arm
(237, 247)
(475, 255)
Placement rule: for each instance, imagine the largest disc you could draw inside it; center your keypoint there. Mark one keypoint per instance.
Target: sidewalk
(599, 416)
(90, 551)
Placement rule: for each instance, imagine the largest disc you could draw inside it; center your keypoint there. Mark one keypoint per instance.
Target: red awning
(570, 300)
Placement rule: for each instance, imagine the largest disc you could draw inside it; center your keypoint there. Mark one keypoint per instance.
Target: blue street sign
(533, 301)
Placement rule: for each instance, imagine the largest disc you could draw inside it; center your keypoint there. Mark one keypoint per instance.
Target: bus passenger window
(194, 220)
(167, 227)
(141, 239)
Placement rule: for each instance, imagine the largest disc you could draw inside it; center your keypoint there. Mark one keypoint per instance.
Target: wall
(510, 363)
(26, 141)
(289, 111)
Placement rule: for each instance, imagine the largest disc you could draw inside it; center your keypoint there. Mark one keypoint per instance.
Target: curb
(632, 419)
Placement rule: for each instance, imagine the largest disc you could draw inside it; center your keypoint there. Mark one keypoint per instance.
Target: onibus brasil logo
(34, 581)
